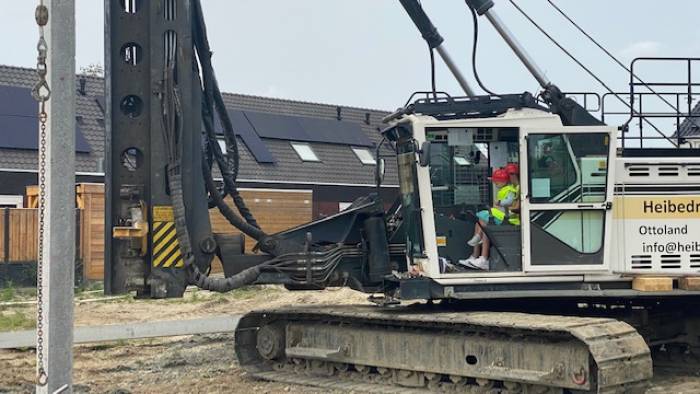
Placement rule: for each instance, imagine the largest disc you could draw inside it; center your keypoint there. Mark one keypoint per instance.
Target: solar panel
(334, 131)
(277, 126)
(19, 124)
(17, 101)
(243, 128)
(298, 128)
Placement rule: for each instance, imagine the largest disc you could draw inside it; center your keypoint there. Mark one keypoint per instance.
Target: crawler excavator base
(422, 348)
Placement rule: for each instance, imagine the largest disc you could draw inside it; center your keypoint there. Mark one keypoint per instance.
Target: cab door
(567, 186)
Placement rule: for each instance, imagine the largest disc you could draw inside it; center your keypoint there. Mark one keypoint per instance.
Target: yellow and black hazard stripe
(166, 248)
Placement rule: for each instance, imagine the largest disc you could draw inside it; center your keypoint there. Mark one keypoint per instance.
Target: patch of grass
(248, 292)
(15, 321)
(101, 346)
(194, 297)
(95, 285)
(107, 345)
(8, 293)
(27, 292)
(202, 296)
(91, 287)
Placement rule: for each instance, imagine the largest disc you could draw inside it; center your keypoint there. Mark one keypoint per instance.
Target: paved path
(117, 332)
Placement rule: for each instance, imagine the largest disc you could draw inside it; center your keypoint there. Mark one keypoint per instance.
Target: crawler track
(424, 349)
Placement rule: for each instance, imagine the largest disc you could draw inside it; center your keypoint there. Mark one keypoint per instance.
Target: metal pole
(513, 43)
(455, 70)
(59, 236)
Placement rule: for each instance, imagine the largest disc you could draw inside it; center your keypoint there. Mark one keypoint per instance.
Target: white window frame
(359, 152)
(17, 201)
(527, 206)
(303, 150)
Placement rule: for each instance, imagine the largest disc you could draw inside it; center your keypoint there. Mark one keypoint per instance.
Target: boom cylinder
(485, 7)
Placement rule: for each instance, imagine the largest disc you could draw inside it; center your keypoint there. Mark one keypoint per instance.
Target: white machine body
(618, 216)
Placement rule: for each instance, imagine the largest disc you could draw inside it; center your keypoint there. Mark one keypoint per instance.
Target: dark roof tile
(338, 165)
(690, 127)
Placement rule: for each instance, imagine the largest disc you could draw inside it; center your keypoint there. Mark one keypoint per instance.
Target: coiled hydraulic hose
(172, 133)
(213, 100)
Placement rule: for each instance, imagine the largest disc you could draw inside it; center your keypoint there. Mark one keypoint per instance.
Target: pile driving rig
(556, 311)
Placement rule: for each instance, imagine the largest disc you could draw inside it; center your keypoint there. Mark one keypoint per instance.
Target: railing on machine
(591, 101)
(660, 113)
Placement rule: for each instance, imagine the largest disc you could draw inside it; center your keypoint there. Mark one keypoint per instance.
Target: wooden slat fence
(18, 235)
(91, 202)
(275, 210)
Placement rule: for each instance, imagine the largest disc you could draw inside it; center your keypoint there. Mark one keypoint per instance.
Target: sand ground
(193, 364)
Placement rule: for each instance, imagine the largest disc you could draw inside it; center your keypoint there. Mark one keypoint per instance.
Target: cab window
(567, 168)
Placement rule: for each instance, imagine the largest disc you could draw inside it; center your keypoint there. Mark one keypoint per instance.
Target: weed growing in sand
(16, 320)
(248, 292)
(8, 293)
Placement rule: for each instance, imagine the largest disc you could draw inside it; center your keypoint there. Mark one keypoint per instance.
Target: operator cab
(565, 193)
(461, 163)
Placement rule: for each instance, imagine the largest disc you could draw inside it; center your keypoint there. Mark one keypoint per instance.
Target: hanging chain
(41, 93)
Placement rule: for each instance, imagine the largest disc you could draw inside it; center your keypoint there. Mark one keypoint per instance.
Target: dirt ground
(192, 364)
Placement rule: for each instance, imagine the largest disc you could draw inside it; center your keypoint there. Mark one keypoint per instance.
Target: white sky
(368, 53)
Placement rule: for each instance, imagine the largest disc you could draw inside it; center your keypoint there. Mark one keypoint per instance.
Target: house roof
(90, 121)
(338, 163)
(690, 127)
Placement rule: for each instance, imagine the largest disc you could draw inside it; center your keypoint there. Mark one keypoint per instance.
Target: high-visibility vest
(498, 215)
(513, 218)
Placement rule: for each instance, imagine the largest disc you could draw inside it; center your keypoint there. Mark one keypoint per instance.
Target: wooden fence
(275, 210)
(18, 235)
(19, 232)
(91, 203)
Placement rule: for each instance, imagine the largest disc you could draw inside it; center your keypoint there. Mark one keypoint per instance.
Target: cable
(475, 20)
(171, 108)
(309, 266)
(615, 59)
(600, 81)
(432, 71)
(213, 99)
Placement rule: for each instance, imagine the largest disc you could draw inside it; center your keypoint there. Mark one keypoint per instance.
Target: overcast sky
(367, 53)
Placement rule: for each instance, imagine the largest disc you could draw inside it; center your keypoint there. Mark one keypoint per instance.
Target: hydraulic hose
(195, 276)
(172, 132)
(213, 100)
(248, 229)
(229, 183)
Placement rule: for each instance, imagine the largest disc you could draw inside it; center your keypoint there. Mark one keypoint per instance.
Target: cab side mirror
(424, 154)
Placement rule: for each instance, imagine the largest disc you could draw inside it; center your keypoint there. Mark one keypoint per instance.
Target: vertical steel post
(59, 238)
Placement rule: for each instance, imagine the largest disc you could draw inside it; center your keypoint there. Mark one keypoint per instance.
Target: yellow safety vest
(513, 218)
